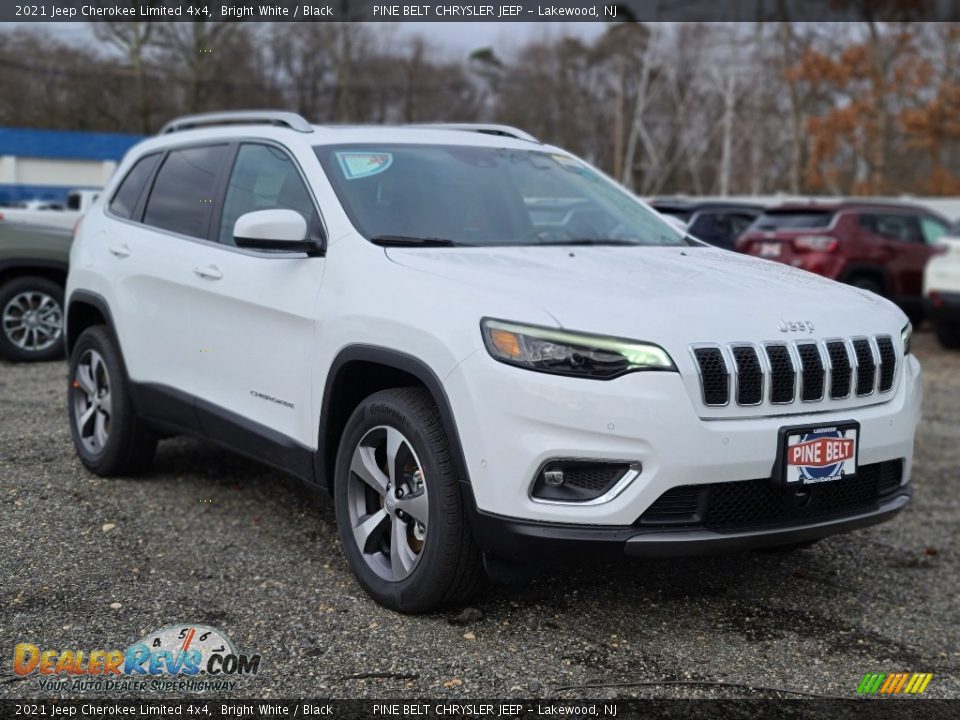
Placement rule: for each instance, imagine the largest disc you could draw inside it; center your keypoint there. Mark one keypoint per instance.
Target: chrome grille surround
(791, 372)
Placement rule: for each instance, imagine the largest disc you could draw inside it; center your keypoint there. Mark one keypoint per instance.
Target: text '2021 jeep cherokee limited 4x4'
(481, 346)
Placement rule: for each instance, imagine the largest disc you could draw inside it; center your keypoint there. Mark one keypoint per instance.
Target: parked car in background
(941, 287)
(50, 212)
(883, 248)
(39, 205)
(715, 222)
(33, 272)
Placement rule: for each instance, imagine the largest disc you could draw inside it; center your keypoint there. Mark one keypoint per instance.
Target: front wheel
(399, 511)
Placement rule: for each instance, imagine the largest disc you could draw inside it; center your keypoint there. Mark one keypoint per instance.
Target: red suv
(879, 247)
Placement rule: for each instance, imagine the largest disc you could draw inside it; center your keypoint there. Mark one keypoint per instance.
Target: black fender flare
(399, 361)
(87, 297)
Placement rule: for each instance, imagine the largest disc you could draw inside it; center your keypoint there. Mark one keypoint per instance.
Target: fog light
(582, 481)
(553, 477)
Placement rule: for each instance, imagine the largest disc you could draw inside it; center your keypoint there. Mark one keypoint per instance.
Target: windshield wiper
(413, 241)
(590, 241)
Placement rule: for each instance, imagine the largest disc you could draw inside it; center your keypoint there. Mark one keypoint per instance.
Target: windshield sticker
(363, 164)
(569, 164)
(564, 160)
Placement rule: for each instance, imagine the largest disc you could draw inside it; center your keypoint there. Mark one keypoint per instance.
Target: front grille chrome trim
(793, 367)
(735, 375)
(884, 378)
(727, 360)
(824, 368)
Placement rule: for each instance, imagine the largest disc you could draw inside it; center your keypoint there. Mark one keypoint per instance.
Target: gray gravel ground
(208, 537)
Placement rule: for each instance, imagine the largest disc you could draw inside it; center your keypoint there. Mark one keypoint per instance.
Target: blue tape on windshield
(357, 165)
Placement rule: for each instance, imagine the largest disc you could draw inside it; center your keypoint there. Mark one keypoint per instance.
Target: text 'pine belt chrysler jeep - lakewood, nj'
(481, 346)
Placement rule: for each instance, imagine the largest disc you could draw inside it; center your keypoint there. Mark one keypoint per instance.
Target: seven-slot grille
(805, 370)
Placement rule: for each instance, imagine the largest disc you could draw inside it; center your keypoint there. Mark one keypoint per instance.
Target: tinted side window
(181, 199)
(904, 228)
(125, 199)
(264, 178)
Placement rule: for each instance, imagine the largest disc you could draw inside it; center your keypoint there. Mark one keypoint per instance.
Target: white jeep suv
(482, 347)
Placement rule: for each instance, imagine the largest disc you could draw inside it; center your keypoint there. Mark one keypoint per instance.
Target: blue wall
(58, 145)
(65, 144)
(10, 194)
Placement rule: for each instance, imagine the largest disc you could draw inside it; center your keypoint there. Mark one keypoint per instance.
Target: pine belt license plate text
(820, 454)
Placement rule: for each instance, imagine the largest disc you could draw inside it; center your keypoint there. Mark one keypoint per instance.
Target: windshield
(463, 195)
(790, 219)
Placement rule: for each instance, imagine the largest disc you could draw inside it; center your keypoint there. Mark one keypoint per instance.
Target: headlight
(570, 353)
(905, 336)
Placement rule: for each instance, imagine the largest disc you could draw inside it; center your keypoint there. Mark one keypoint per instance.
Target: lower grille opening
(749, 504)
(577, 480)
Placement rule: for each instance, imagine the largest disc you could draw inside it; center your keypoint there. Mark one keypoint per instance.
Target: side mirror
(274, 230)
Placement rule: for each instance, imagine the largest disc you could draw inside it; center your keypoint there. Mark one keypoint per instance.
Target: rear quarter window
(127, 196)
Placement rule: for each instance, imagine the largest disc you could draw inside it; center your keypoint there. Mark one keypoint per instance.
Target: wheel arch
(357, 372)
(49, 269)
(86, 309)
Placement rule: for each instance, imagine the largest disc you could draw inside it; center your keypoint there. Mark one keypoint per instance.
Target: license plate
(818, 453)
(770, 249)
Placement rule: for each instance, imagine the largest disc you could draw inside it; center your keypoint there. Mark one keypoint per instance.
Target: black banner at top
(481, 11)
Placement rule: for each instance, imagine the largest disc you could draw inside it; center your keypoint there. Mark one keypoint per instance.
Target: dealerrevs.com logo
(176, 658)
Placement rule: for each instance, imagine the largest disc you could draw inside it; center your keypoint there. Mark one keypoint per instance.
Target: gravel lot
(211, 538)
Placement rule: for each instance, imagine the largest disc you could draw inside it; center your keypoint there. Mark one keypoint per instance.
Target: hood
(673, 296)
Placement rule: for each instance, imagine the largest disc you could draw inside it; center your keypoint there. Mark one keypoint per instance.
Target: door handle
(208, 272)
(120, 251)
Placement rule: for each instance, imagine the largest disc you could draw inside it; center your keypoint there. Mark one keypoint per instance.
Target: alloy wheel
(32, 321)
(387, 502)
(92, 401)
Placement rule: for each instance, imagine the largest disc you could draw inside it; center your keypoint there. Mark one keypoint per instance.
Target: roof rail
(239, 117)
(485, 128)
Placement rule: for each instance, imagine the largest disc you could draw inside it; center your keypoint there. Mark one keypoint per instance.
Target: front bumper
(510, 538)
(511, 421)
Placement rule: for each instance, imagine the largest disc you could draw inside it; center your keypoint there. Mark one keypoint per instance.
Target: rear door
(153, 257)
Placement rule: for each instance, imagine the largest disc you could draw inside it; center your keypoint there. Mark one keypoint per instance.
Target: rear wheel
(31, 319)
(948, 333)
(108, 436)
(402, 523)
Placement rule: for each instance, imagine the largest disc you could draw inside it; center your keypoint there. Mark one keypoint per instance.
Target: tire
(436, 563)
(789, 548)
(108, 436)
(31, 320)
(948, 334)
